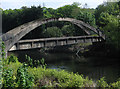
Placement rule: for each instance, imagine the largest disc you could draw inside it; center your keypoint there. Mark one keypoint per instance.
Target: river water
(93, 67)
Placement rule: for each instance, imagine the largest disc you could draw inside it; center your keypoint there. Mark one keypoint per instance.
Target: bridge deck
(58, 38)
(51, 42)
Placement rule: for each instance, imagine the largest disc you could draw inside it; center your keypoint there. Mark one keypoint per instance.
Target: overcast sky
(12, 4)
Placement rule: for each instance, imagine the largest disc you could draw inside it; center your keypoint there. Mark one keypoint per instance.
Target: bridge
(52, 42)
(12, 37)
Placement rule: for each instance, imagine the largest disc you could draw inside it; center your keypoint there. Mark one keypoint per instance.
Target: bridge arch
(14, 35)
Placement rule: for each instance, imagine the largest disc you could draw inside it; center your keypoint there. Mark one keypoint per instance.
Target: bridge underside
(52, 42)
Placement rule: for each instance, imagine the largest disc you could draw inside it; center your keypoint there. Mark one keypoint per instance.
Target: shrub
(12, 58)
(102, 83)
(116, 84)
(8, 80)
(52, 32)
(24, 79)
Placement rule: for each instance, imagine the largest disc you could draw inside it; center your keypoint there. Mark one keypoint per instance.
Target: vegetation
(33, 73)
(107, 18)
(16, 74)
(16, 17)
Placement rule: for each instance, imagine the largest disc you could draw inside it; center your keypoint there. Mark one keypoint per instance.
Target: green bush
(12, 58)
(29, 60)
(68, 30)
(52, 32)
(102, 83)
(24, 79)
(116, 84)
(8, 80)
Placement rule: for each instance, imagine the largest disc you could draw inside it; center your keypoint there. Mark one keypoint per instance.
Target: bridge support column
(91, 39)
(56, 42)
(66, 41)
(84, 40)
(32, 45)
(44, 43)
(76, 40)
(17, 46)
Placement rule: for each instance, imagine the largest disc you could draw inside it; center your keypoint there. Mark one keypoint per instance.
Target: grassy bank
(16, 74)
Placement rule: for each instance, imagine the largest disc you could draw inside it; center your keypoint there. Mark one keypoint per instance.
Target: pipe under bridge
(52, 42)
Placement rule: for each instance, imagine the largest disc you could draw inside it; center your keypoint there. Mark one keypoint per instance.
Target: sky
(16, 4)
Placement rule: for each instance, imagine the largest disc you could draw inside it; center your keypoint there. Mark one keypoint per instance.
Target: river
(93, 67)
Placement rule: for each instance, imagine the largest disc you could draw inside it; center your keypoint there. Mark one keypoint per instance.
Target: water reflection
(92, 67)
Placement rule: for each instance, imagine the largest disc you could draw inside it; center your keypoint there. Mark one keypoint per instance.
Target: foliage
(116, 84)
(2, 60)
(29, 60)
(68, 30)
(48, 12)
(35, 63)
(104, 19)
(43, 64)
(17, 74)
(16, 17)
(86, 17)
(102, 83)
(62, 78)
(52, 32)
(8, 78)
(12, 58)
(108, 7)
(24, 79)
(2, 53)
(88, 82)
(112, 32)
(66, 10)
(2, 46)
(107, 18)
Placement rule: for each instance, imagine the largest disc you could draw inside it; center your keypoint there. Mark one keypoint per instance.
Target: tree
(48, 12)
(108, 7)
(68, 30)
(104, 19)
(66, 10)
(13, 18)
(86, 17)
(52, 32)
(112, 31)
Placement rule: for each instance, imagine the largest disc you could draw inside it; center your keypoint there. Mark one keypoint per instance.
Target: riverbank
(16, 74)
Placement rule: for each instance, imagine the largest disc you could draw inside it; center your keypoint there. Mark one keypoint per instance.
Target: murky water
(93, 67)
